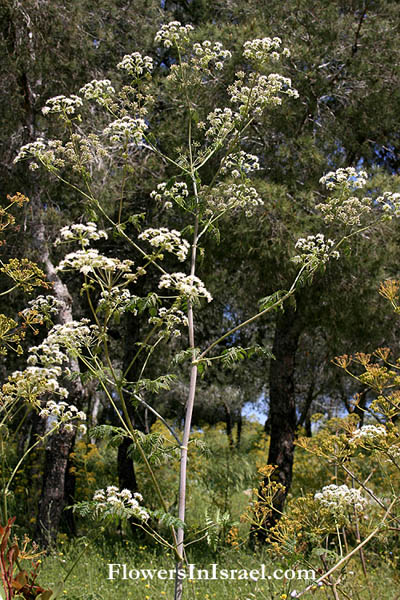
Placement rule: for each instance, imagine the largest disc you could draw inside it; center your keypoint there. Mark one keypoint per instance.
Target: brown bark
(282, 409)
(52, 501)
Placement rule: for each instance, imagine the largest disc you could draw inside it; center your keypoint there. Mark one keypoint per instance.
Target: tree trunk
(54, 490)
(282, 410)
(52, 501)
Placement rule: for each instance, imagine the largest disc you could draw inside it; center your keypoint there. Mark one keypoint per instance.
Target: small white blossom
(112, 502)
(166, 239)
(62, 105)
(170, 320)
(368, 433)
(240, 163)
(221, 122)
(348, 178)
(188, 286)
(263, 50)
(340, 499)
(391, 204)
(207, 54)
(99, 90)
(81, 233)
(177, 193)
(255, 92)
(114, 300)
(42, 306)
(126, 129)
(315, 250)
(89, 260)
(234, 196)
(33, 382)
(135, 64)
(173, 34)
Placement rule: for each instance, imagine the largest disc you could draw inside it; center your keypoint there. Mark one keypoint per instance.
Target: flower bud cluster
(173, 34)
(240, 163)
(234, 196)
(188, 286)
(126, 129)
(170, 319)
(315, 250)
(122, 503)
(64, 414)
(255, 92)
(114, 300)
(135, 64)
(265, 49)
(348, 212)
(71, 337)
(62, 105)
(340, 499)
(99, 90)
(166, 239)
(206, 53)
(221, 122)
(81, 233)
(35, 149)
(42, 306)
(178, 192)
(391, 204)
(348, 178)
(31, 383)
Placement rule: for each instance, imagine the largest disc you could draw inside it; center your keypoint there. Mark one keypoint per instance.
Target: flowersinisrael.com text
(214, 572)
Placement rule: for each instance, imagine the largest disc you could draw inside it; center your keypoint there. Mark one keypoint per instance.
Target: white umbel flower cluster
(348, 178)
(240, 163)
(390, 203)
(126, 129)
(33, 382)
(99, 90)
(33, 149)
(61, 413)
(68, 338)
(90, 260)
(122, 503)
(234, 196)
(115, 300)
(315, 250)
(348, 212)
(368, 433)
(136, 64)
(64, 105)
(207, 53)
(177, 193)
(265, 49)
(166, 239)
(188, 286)
(173, 34)
(43, 305)
(221, 122)
(340, 499)
(81, 233)
(170, 319)
(255, 92)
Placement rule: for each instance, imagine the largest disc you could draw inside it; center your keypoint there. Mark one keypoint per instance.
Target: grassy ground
(89, 579)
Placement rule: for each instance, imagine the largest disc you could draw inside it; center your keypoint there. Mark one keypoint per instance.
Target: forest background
(344, 63)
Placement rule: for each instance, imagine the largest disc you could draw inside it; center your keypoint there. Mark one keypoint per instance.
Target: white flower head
(135, 64)
(173, 34)
(62, 105)
(188, 286)
(166, 239)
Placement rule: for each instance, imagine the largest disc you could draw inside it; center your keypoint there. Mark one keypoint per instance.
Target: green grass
(89, 579)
